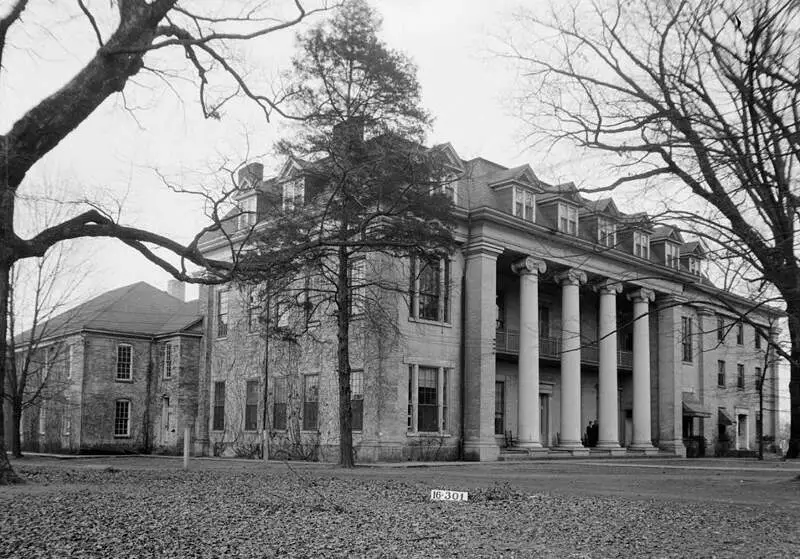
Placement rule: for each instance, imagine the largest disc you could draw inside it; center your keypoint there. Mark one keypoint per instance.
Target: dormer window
(567, 218)
(293, 194)
(671, 257)
(448, 187)
(606, 232)
(641, 244)
(524, 204)
(248, 208)
(694, 265)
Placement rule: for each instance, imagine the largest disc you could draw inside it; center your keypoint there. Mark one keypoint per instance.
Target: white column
(571, 359)
(528, 399)
(607, 415)
(642, 439)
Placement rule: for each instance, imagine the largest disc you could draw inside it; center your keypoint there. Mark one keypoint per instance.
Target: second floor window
(524, 204)
(222, 314)
(358, 290)
(721, 373)
(641, 244)
(740, 334)
(739, 376)
(247, 215)
(170, 359)
(606, 232)
(430, 289)
(567, 219)
(686, 335)
(310, 402)
(293, 195)
(124, 362)
(758, 339)
(671, 256)
(720, 329)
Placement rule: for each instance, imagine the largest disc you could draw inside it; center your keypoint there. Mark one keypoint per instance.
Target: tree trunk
(760, 424)
(7, 475)
(343, 297)
(16, 423)
(794, 382)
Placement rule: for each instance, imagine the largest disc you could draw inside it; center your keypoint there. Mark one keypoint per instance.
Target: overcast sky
(115, 154)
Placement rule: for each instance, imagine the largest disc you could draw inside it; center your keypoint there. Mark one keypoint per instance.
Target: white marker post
(186, 449)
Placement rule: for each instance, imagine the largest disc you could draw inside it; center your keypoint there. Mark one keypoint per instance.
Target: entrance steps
(515, 453)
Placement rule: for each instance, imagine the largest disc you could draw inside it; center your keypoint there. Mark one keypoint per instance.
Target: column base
(200, 447)
(612, 449)
(478, 451)
(643, 448)
(529, 445)
(574, 448)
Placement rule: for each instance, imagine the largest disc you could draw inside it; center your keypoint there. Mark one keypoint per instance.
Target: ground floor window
(357, 399)
(122, 418)
(251, 406)
(499, 407)
(310, 402)
(218, 421)
(427, 399)
(279, 405)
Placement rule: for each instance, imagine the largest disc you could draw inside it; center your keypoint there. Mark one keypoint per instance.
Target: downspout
(264, 412)
(463, 343)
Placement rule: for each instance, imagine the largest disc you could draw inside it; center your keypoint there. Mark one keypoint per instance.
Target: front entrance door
(544, 419)
(741, 432)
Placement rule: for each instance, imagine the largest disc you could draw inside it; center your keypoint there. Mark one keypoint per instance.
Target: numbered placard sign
(444, 495)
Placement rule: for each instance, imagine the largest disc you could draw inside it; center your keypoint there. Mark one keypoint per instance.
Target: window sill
(122, 436)
(309, 431)
(427, 434)
(685, 362)
(430, 322)
(125, 380)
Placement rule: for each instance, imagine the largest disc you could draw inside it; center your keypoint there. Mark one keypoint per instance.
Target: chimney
(251, 175)
(177, 289)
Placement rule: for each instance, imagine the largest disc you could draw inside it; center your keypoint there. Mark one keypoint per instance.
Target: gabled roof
(292, 167)
(566, 191)
(605, 206)
(666, 233)
(522, 173)
(452, 158)
(138, 308)
(693, 248)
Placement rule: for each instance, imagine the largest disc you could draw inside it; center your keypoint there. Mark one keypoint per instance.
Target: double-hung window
(641, 244)
(222, 313)
(171, 359)
(251, 406)
(686, 337)
(218, 420)
(740, 376)
(606, 232)
(247, 212)
(124, 362)
(310, 402)
(280, 398)
(122, 418)
(671, 256)
(567, 218)
(720, 329)
(427, 399)
(721, 373)
(739, 334)
(358, 289)
(293, 194)
(524, 204)
(430, 289)
(357, 399)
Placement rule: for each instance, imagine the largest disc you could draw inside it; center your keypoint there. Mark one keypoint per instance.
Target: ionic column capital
(703, 310)
(528, 265)
(573, 276)
(642, 295)
(608, 287)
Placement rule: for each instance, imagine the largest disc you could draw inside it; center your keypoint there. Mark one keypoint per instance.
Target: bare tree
(129, 35)
(699, 97)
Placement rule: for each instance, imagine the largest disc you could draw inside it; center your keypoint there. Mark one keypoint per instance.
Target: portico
(585, 372)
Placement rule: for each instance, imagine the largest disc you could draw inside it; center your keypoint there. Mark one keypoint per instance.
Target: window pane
(251, 406)
(124, 353)
(427, 401)
(429, 290)
(222, 313)
(122, 418)
(218, 422)
(310, 401)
